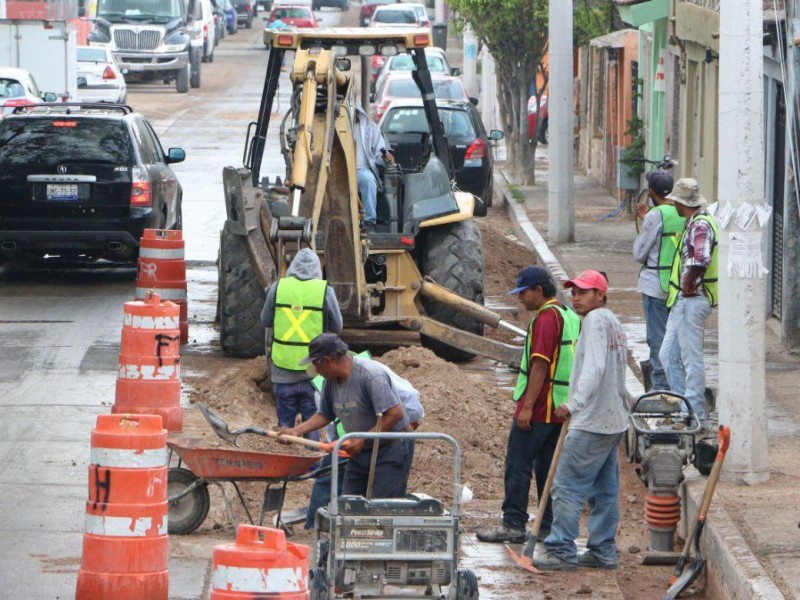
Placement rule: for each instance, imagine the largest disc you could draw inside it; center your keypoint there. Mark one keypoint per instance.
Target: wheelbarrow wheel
(317, 584)
(188, 512)
(467, 585)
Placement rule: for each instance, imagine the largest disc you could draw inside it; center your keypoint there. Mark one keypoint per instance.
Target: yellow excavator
(418, 276)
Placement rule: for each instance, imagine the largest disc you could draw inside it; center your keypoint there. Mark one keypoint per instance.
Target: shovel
(525, 560)
(682, 579)
(222, 429)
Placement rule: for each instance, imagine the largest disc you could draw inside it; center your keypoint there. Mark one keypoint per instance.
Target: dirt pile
(503, 255)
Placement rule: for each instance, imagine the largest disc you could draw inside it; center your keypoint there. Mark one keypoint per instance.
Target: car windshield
(403, 62)
(405, 17)
(11, 88)
(291, 13)
(377, 2)
(412, 120)
(443, 89)
(91, 55)
(140, 9)
(53, 140)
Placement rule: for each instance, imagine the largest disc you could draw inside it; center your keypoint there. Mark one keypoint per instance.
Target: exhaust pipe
(8, 245)
(115, 246)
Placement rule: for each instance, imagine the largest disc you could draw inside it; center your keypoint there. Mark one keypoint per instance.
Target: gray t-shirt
(598, 400)
(358, 400)
(646, 250)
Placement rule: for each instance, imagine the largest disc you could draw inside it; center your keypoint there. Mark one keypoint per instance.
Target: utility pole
(560, 206)
(438, 14)
(470, 73)
(742, 292)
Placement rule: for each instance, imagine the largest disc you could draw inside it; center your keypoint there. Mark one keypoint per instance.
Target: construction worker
(655, 248)
(297, 309)
(597, 408)
(371, 152)
(542, 386)
(692, 295)
(356, 391)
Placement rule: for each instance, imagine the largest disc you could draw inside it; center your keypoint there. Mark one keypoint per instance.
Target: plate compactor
(390, 547)
(661, 439)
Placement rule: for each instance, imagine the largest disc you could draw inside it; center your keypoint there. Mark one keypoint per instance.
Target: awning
(615, 39)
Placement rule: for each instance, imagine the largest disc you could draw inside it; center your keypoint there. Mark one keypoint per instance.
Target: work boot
(543, 533)
(499, 535)
(588, 559)
(550, 562)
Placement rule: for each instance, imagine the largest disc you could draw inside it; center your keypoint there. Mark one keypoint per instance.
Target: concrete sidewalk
(751, 537)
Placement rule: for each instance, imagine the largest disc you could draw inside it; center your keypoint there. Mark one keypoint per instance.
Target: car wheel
(210, 58)
(249, 23)
(182, 80)
(179, 216)
(194, 79)
(544, 134)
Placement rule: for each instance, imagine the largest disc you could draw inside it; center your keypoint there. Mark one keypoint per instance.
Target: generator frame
(338, 555)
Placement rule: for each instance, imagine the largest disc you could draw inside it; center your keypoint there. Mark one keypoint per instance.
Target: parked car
(265, 5)
(219, 21)
(208, 29)
(245, 11)
(231, 23)
(406, 130)
(435, 57)
(543, 115)
(82, 182)
(294, 16)
(18, 88)
(99, 77)
(342, 5)
(401, 15)
(368, 8)
(401, 85)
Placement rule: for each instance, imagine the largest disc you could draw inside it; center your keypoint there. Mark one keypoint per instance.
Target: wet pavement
(752, 530)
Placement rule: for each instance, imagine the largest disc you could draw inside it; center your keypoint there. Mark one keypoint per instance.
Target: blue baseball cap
(531, 276)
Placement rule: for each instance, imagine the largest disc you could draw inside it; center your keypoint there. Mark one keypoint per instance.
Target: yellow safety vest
(298, 320)
(672, 225)
(708, 282)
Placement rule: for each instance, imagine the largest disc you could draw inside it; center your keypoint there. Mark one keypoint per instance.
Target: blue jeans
(321, 492)
(294, 398)
(528, 452)
(391, 471)
(655, 318)
(682, 351)
(368, 190)
(587, 470)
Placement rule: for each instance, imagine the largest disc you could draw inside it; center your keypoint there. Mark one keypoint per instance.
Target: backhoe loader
(419, 272)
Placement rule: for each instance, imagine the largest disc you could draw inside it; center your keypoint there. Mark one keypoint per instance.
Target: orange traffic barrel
(125, 544)
(148, 381)
(162, 269)
(260, 564)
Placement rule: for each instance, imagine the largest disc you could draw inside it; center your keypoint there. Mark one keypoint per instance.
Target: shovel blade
(687, 578)
(523, 561)
(219, 426)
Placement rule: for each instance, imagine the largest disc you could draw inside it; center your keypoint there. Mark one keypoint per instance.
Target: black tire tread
(240, 300)
(452, 255)
(201, 497)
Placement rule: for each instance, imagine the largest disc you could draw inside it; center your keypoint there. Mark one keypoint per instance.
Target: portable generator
(390, 547)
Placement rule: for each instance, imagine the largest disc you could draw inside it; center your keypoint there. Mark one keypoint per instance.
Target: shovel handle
(293, 439)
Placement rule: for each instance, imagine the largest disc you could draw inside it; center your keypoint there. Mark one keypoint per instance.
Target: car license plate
(135, 67)
(62, 192)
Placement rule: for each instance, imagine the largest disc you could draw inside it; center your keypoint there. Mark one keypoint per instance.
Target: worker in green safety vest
(297, 309)
(654, 249)
(692, 294)
(542, 386)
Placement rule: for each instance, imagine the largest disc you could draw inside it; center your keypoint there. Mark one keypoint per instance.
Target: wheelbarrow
(189, 500)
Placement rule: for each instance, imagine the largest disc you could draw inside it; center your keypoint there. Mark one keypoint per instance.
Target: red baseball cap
(589, 280)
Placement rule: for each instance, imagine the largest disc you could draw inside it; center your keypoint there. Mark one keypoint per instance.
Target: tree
(515, 32)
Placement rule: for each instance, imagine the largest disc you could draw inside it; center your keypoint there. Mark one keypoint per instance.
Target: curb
(738, 572)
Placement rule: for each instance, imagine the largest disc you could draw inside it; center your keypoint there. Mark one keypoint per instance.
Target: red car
(402, 85)
(368, 9)
(294, 16)
(532, 119)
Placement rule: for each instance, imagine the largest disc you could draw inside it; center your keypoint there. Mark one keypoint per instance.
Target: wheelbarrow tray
(225, 463)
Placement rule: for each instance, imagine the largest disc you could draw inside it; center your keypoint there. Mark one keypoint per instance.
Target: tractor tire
(187, 513)
(452, 255)
(240, 299)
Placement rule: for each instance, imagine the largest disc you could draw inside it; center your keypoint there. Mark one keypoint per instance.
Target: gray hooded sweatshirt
(305, 266)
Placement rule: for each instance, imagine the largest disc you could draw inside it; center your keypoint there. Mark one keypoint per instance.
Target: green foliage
(516, 193)
(591, 19)
(633, 156)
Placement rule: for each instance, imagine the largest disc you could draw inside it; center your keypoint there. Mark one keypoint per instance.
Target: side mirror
(49, 97)
(474, 101)
(175, 155)
(372, 98)
(496, 135)
(455, 71)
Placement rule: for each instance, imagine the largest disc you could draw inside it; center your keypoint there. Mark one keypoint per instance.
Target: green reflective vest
(709, 280)
(561, 366)
(672, 225)
(298, 320)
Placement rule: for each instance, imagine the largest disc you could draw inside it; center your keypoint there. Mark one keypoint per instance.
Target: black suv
(82, 182)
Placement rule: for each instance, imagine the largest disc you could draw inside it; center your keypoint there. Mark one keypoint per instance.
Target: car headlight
(173, 47)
